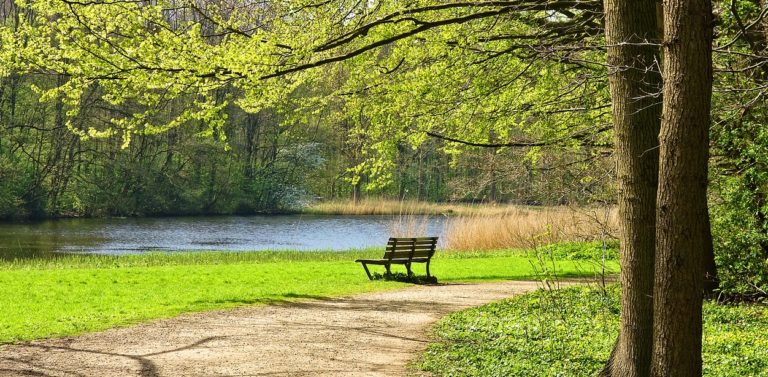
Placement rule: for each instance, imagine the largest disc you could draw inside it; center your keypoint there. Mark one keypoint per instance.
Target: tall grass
(405, 207)
(530, 227)
(409, 225)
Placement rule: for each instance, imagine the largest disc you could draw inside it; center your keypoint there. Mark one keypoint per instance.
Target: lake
(118, 236)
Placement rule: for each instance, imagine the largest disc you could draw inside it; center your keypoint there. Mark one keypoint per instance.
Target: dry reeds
(406, 207)
(409, 226)
(483, 226)
(530, 227)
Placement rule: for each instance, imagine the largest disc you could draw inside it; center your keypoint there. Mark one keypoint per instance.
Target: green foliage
(739, 169)
(740, 235)
(585, 251)
(74, 294)
(131, 72)
(570, 332)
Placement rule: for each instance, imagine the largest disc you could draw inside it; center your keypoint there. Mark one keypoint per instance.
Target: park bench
(404, 251)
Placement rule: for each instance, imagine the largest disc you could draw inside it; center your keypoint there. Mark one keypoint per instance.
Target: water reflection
(232, 233)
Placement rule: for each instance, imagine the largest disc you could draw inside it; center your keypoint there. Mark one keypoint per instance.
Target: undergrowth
(570, 332)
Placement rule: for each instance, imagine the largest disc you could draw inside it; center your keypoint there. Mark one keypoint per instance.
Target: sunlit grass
(75, 294)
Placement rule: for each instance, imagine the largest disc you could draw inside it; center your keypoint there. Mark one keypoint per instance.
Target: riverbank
(72, 295)
(486, 226)
(480, 227)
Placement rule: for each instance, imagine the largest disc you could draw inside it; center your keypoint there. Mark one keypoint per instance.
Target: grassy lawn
(571, 332)
(71, 295)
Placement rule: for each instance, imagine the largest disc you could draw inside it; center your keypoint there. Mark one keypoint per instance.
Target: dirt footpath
(373, 334)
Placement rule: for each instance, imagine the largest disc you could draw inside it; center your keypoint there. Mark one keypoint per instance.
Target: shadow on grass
(405, 278)
(284, 298)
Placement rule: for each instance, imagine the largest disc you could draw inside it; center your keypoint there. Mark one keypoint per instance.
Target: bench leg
(428, 269)
(389, 273)
(365, 266)
(408, 267)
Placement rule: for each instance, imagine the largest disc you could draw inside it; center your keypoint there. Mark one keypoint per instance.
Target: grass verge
(75, 294)
(570, 333)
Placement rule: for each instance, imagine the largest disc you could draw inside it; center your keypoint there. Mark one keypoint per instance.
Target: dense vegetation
(74, 294)
(570, 333)
(264, 162)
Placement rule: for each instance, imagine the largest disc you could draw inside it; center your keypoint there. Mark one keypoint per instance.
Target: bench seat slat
(411, 243)
(406, 253)
(411, 238)
(406, 248)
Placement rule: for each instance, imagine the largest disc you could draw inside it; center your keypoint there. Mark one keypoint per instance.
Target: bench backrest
(419, 247)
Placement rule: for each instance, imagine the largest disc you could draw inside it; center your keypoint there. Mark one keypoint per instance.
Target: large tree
(631, 33)
(682, 217)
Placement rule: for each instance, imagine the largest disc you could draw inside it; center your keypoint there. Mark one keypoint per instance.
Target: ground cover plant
(75, 294)
(571, 332)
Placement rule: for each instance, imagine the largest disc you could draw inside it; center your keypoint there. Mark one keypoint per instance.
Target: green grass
(70, 295)
(571, 332)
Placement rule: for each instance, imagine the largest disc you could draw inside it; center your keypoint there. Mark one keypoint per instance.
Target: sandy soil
(364, 335)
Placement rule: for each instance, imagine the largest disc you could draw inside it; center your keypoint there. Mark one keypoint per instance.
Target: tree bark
(632, 35)
(682, 216)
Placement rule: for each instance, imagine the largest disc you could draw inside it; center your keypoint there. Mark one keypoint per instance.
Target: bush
(740, 234)
(587, 251)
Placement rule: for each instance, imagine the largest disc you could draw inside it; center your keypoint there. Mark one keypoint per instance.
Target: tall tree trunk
(635, 82)
(682, 218)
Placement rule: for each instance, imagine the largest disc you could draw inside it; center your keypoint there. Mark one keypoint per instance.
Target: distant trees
(123, 77)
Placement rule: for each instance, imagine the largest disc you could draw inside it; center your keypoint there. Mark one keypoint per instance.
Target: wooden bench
(404, 251)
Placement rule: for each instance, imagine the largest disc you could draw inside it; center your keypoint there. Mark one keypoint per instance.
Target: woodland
(167, 107)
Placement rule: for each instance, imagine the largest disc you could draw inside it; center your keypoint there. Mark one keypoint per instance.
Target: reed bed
(409, 226)
(528, 228)
(406, 207)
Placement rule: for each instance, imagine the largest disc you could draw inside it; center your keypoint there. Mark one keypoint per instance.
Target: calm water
(231, 233)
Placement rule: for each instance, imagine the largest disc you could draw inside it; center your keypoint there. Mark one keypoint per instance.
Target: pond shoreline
(120, 236)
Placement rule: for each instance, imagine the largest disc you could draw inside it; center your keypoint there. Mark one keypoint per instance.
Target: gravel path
(374, 334)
